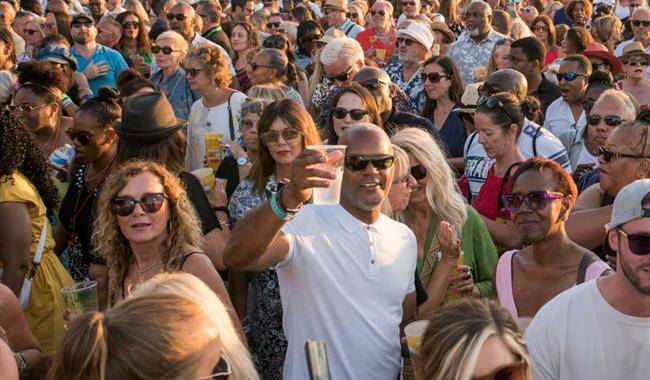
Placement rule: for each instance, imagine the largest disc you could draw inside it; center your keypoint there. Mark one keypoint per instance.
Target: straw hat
(470, 98)
(441, 27)
(341, 5)
(634, 48)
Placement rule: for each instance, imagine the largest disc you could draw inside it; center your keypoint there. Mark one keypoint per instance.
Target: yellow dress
(44, 313)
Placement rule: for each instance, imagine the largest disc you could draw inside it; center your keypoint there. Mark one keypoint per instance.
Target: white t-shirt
(586, 157)
(204, 120)
(477, 162)
(578, 335)
(344, 282)
(559, 118)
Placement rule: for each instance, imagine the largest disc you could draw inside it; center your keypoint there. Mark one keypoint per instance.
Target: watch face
(242, 161)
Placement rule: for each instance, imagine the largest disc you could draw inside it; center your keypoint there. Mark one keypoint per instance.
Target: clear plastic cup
(414, 332)
(330, 195)
(81, 297)
(206, 177)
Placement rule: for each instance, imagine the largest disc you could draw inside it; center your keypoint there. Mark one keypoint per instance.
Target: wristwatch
(243, 161)
(20, 360)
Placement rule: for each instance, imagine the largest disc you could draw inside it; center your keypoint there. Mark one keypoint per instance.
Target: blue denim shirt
(178, 91)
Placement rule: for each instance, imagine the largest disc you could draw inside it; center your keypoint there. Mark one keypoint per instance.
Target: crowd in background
(496, 183)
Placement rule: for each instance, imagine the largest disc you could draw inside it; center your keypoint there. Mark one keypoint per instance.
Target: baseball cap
(58, 55)
(81, 17)
(628, 204)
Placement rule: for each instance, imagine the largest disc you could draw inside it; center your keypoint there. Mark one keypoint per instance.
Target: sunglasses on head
(418, 172)
(373, 84)
(150, 203)
(340, 77)
(406, 41)
(82, 137)
(131, 24)
(274, 42)
(433, 77)
(636, 62)
(271, 25)
(255, 66)
(637, 23)
(176, 16)
(607, 155)
(167, 50)
(611, 120)
(639, 243)
(491, 102)
(273, 137)
(535, 200)
(514, 371)
(357, 163)
(355, 114)
(380, 12)
(570, 76)
(193, 71)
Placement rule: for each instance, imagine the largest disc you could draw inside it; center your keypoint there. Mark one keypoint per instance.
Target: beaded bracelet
(277, 209)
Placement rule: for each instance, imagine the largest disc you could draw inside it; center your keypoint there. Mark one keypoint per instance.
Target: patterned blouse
(414, 87)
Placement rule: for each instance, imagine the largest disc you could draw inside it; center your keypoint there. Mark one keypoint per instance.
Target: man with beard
(100, 64)
(345, 270)
(413, 48)
(601, 329)
(473, 48)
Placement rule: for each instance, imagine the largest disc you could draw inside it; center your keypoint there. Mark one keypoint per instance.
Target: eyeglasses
(82, 137)
(607, 155)
(380, 12)
(639, 243)
(79, 24)
(355, 114)
(352, 15)
(192, 71)
(406, 41)
(433, 77)
(357, 163)
(491, 102)
(341, 77)
(535, 200)
(221, 371)
(637, 23)
(271, 25)
(150, 203)
(514, 371)
(131, 24)
(176, 16)
(248, 124)
(255, 66)
(636, 62)
(312, 38)
(408, 3)
(23, 107)
(611, 120)
(275, 42)
(167, 50)
(273, 137)
(570, 76)
(30, 32)
(541, 29)
(418, 172)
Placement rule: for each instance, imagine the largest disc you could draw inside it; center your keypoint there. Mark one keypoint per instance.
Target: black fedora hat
(147, 118)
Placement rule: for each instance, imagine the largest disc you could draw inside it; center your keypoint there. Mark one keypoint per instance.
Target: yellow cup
(206, 177)
(449, 295)
(414, 332)
(381, 54)
(213, 149)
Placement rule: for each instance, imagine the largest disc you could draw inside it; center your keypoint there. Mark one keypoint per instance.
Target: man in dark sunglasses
(336, 14)
(567, 111)
(639, 22)
(347, 261)
(569, 331)
(341, 59)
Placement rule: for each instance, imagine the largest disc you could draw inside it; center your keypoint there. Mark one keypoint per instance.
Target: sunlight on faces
(141, 227)
(335, 17)
(477, 19)
(38, 117)
(131, 32)
(340, 67)
(491, 136)
(239, 38)
(572, 91)
(641, 33)
(349, 101)
(436, 90)
(494, 354)
(379, 21)
(86, 123)
(173, 60)
(250, 135)
(283, 151)
(620, 171)
(202, 79)
(418, 187)
(609, 105)
(411, 54)
(400, 191)
(366, 189)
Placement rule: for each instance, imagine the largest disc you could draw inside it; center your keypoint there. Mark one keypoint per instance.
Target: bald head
(371, 73)
(367, 132)
(507, 80)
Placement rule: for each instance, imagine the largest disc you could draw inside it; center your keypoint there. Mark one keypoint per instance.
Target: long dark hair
(19, 152)
(457, 87)
(366, 98)
(142, 38)
(169, 151)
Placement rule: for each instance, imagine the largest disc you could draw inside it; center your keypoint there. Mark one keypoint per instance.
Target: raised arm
(257, 242)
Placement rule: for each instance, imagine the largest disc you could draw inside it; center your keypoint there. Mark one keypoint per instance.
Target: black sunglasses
(632, 62)
(607, 155)
(352, 15)
(611, 120)
(639, 243)
(192, 71)
(312, 38)
(506, 372)
(373, 84)
(82, 137)
(380, 12)
(340, 77)
(433, 77)
(535, 200)
(418, 172)
(357, 163)
(637, 23)
(274, 136)
(274, 42)
(406, 41)
(167, 50)
(79, 24)
(271, 25)
(493, 101)
(150, 203)
(131, 24)
(570, 76)
(176, 16)
(355, 114)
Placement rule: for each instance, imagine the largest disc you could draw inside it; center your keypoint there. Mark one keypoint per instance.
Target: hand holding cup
(306, 174)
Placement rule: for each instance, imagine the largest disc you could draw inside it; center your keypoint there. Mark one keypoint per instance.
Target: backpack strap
(588, 258)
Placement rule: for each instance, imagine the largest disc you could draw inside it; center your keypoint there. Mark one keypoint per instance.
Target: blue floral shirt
(414, 88)
(469, 55)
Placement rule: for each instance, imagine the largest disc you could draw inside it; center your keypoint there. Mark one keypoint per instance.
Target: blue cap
(57, 54)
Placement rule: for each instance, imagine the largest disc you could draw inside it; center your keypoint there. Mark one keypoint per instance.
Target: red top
(486, 201)
(374, 48)
(551, 56)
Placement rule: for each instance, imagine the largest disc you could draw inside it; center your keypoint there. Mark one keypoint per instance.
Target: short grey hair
(341, 48)
(180, 42)
(630, 103)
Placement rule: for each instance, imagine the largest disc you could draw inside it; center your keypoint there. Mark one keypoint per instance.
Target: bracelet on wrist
(277, 209)
(223, 209)
(284, 207)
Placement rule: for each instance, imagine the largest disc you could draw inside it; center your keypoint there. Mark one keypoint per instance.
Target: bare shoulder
(590, 198)
(7, 297)
(196, 261)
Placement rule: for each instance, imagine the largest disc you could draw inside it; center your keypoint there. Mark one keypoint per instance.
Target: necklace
(145, 270)
(102, 172)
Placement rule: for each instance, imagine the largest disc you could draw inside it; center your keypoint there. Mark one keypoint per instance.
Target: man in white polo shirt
(345, 271)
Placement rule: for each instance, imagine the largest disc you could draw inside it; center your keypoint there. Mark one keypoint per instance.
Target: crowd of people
(495, 183)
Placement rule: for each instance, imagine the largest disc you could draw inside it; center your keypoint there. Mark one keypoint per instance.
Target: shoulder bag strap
(349, 29)
(231, 123)
(537, 131)
(39, 250)
(588, 258)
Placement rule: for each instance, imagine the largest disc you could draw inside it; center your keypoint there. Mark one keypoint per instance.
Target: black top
(229, 169)
(219, 37)
(158, 27)
(400, 120)
(200, 202)
(547, 92)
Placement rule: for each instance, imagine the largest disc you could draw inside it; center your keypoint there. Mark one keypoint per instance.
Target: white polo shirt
(559, 118)
(344, 282)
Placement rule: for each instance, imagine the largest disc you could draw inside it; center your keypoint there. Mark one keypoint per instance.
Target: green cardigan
(477, 246)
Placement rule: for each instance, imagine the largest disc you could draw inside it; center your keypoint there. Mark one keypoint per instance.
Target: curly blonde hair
(213, 61)
(184, 227)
